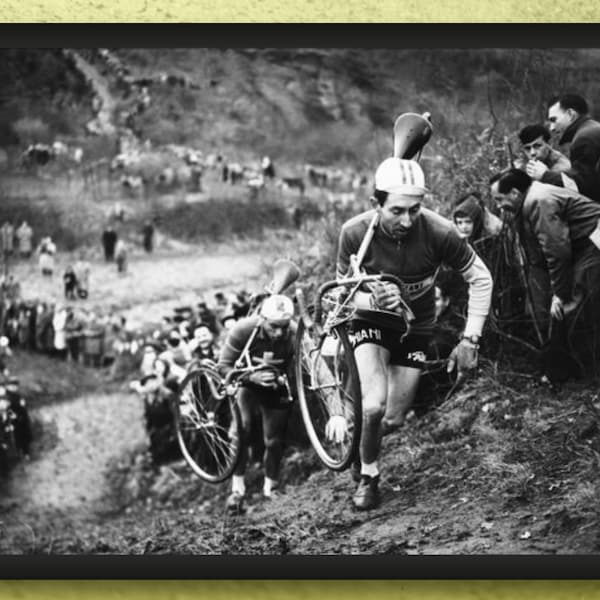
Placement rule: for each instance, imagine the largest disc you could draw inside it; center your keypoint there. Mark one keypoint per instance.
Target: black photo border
(291, 35)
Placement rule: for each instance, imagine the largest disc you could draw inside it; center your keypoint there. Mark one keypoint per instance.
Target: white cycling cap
(277, 308)
(400, 176)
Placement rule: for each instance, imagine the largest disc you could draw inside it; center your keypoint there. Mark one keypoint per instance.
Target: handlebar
(348, 281)
(236, 372)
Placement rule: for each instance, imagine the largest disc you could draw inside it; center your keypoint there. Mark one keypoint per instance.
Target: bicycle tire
(325, 364)
(207, 422)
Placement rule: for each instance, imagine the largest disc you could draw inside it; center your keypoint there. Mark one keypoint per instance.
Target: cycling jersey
(276, 354)
(431, 241)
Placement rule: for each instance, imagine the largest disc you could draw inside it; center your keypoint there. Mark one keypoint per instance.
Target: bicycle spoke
(217, 451)
(328, 388)
(206, 421)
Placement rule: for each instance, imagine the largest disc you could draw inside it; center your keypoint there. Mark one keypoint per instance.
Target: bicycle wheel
(327, 384)
(208, 425)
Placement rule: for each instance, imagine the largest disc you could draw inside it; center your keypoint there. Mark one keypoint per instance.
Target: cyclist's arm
(462, 258)
(230, 352)
(480, 283)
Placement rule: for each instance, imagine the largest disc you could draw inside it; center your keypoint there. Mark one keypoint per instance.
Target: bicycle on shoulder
(327, 381)
(207, 415)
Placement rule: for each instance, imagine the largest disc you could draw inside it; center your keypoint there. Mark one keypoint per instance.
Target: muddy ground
(506, 466)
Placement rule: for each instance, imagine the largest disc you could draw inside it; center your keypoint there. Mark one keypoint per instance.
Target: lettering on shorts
(365, 334)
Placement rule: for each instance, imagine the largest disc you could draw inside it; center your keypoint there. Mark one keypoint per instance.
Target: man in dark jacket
(109, 241)
(561, 229)
(148, 236)
(569, 119)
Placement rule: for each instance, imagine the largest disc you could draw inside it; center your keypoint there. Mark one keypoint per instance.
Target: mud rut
(81, 437)
(88, 433)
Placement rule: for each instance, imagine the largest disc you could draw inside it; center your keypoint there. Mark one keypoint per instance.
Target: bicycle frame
(243, 367)
(343, 310)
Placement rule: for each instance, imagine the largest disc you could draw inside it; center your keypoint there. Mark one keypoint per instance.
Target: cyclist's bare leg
(372, 362)
(403, 383)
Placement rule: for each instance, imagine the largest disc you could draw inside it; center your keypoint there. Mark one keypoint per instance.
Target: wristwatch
(474, 339)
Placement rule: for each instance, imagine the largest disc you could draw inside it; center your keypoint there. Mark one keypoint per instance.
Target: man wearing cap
(410, 242)
(264, 393)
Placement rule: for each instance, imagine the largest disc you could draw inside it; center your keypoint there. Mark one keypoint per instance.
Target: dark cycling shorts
(411, 352)
(272, 399)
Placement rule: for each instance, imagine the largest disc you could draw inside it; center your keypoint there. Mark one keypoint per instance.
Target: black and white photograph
(299, 301)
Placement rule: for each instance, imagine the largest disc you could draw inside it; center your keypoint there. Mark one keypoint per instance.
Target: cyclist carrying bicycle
(264, 392)
(410, 242)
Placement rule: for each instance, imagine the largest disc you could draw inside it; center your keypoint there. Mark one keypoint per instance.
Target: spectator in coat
(268, 169)
(109, 241)
(5, 354)
(24, 236)
(121, 257)
(148, 236)
(22, 422)
(70, 281)
(46, 251)
(10, 288)
(82, 272)
(569, 119)
(74, 326)
(59, 321)
(560, 230)
(7, 234)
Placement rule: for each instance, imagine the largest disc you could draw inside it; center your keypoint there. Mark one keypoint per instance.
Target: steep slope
(102, 123)
(298, 104)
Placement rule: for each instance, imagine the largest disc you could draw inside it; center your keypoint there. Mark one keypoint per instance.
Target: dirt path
(80, 438)
(65, 481)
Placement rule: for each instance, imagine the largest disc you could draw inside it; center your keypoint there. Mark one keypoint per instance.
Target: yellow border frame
(308, 11)
(300, 590)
